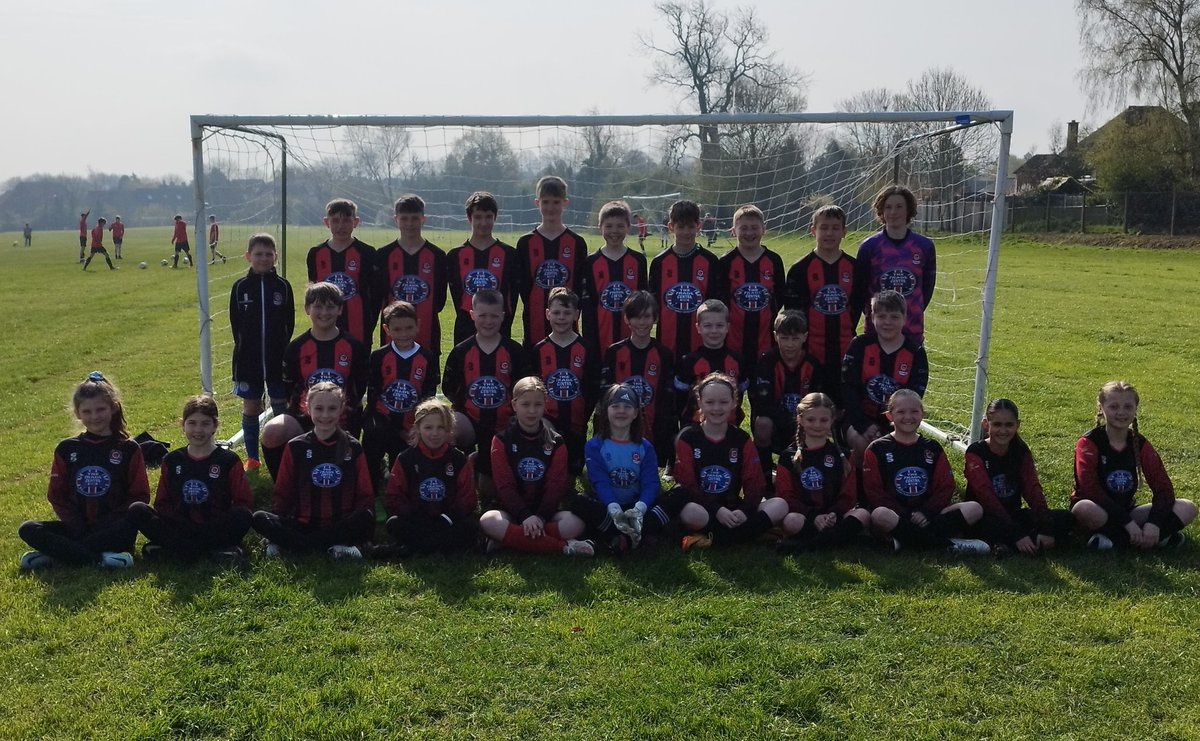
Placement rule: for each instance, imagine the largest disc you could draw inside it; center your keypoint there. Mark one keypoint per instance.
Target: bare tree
(1145, 49)
(871, 140)
(378, 154)
(719, 62)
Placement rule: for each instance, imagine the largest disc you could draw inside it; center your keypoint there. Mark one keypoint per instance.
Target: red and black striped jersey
(530, 474)
(469, 270)
(777, 388)
(353, 271)
(94, 480)
(545, 264)
(321, 482)
(681, 283)
(201, 489)
(572, 376)
(418, 278)
(650, 372)
(820, 482)
(719, 473)
(479, 384)
(431, 483)
(606, 285)
(699, 364)
(907, 478)
(870, 376)
(309, 361)
(397, 382)
(824, 292)
(754, 293)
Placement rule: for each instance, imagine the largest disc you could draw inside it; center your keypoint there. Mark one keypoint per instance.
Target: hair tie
(96, 376)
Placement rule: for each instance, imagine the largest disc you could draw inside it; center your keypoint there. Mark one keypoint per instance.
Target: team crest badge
(700, 275)
(450, 469)
(214, 472)
(418, 373)
(495, 262)
(829, 461)
(733, 456)
(902, 371)
(929, 457)
(916, 259)
(344, 360)
(636, 457)
(115, 457)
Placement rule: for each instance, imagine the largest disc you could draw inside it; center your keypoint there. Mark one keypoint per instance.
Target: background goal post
(275, 173)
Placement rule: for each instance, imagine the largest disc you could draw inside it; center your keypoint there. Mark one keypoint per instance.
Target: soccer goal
(275, 174)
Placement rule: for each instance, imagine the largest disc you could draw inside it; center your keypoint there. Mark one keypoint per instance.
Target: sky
(109, 86)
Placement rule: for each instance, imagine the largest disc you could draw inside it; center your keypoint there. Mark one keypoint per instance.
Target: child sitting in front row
(323, 498)
(908, 485)
(96, 476)
(203, 502)
(431, 493)
(1109, 464)
(529, 465)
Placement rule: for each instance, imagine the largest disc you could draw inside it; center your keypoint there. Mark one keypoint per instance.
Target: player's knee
(793, 522)
(884, 520)
(693, 516)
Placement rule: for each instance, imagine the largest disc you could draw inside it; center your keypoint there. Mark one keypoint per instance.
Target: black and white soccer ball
(164, 262)
(142, 265)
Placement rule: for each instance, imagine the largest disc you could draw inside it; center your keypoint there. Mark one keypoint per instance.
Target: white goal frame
(954, 120)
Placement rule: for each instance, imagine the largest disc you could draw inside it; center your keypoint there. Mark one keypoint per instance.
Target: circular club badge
(325, 375)
(1001, 487)
(831, 299)
(551, 274)
(326, 476)
(400, 396)
(641, 387)
(789, 402)
(479, 279)
(344, 282)
(1120, 482)
(195, 491)
(410, 288)
(563, 385)
(613, 296)
(531, 469)
(898, 279)
(93, 481)
(432, 490)
(812, 479)
(880, 388)
(487, 392)
(683, 298)
(752, 297)
(715, 479)
(911, 481)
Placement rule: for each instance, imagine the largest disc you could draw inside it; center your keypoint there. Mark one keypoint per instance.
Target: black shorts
(118, 240)
(82, 240)
(182, 247)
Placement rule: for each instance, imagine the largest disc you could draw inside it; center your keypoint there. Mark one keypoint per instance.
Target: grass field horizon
(741, 644)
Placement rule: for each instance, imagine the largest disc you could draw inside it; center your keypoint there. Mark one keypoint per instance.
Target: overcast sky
(109, 86)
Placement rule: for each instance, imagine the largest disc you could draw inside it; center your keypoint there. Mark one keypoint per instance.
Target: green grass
(737, 644)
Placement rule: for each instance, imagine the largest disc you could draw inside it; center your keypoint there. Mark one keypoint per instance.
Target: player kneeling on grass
(720, 481)
(817, 483)
(95, 477)
(622, 468)
(908, 485)
(203, 502)
(430, 496)
(529, 467)
(1000, 474)
(323, 497)
(1109, 464)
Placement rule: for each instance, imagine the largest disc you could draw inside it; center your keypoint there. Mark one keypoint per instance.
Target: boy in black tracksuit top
(262, 316)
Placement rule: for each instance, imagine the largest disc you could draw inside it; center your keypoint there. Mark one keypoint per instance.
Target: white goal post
(789, 163)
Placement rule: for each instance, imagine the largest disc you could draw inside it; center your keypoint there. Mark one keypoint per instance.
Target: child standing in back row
(612, 274)
(413, 269)
(752, 282)
(481, 263)
(821, 285)
(549, 257)
(95, 477)
(350, 265)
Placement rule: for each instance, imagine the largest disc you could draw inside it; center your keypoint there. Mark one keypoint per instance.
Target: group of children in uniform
(499, 458)
(179, 240)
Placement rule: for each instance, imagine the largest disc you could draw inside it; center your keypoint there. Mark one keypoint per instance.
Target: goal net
(276, 174)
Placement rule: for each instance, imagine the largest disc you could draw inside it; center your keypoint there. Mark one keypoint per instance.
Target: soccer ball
(164, 262)
(186, 261)
(142, 265)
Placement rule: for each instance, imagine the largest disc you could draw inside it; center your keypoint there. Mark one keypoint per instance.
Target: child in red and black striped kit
(413, 269)
(529, 464)
(713, 356)
(648, 367)
(720, 481)
(95, 477)
(784, 375)
(908, 485)
(203, 502)
(751, 282)
(817, 483)
(1109, 464)
(350, 265)
(1000, 475)
(612, 273)
(481, 263)
(431, 493)
(323, 498)
(570, 366)
(324, 353)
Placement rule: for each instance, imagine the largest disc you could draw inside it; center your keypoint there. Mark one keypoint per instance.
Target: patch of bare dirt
(1138, 241)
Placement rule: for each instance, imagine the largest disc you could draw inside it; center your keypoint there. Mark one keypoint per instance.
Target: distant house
(1041, 167)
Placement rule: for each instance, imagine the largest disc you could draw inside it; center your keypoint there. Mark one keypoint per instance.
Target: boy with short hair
(214, 236)
(118, 234)
(752, 283)
(876, 365)
(648, 367)
(262, 317)
(203, 503)
(350, 265)
(83, 232)
(324, 353)
(179, 239)
(413, 269)
(550, 256)
(98, 245)
(570, 366)
(713, 356)
(785, 374)
(897, 258)
(821, 284)
(402, 374)
(478, 380)
(682, 278)
(481, 263)
(612, 273)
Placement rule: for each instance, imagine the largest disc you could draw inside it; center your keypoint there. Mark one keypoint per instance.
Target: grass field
(662, 645)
